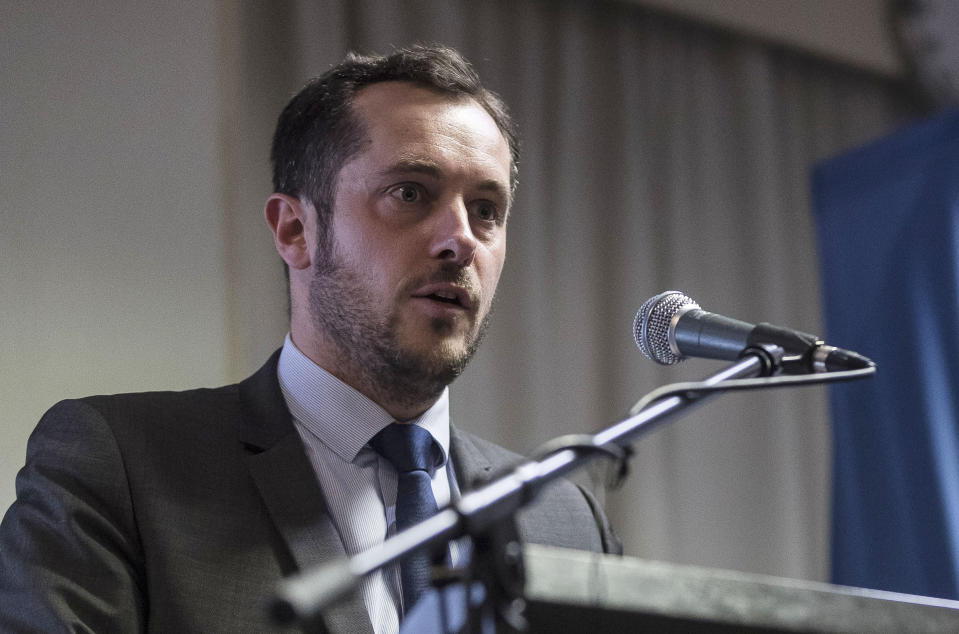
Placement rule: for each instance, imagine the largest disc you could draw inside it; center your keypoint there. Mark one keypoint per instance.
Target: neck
(403, 394)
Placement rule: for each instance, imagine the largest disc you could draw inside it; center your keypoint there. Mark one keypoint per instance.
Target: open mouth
(449, 294)
(446, 298)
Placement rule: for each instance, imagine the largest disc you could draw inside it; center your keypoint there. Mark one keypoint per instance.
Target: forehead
(406, 122)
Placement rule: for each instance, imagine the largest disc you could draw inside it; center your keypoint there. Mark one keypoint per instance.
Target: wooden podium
(573, 591)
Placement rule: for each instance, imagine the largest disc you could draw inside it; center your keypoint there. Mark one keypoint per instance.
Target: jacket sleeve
(611, 543)
(70, 558)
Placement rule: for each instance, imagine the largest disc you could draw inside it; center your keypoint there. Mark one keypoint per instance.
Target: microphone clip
(771, 357)
(799, 348)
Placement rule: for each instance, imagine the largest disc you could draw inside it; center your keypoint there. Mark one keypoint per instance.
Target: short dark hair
(318, 132)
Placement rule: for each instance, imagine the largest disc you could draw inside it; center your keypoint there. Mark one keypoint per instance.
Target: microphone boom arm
(303, 597)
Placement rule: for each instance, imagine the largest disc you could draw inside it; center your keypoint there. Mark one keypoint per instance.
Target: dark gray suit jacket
(179, 511)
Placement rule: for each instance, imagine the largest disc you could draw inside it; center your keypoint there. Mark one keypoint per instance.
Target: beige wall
(111, 242)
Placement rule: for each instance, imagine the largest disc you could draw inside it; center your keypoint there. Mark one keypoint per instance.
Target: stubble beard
(367, 342)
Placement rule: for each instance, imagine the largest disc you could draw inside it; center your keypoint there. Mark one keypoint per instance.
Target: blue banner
(888, 228)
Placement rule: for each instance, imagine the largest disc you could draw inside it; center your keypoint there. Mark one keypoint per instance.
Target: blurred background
(666, 144)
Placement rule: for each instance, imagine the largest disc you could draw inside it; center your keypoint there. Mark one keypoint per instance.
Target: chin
(440, 352)
(439, 347)
(437, 337)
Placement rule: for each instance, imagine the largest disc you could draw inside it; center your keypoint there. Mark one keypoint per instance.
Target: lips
(446, 293)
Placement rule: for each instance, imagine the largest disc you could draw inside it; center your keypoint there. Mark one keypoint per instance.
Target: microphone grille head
(652, 322)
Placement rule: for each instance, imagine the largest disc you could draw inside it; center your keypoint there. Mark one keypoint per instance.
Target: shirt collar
(339, 416)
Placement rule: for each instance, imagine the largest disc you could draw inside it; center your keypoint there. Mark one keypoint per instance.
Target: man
(178, 512)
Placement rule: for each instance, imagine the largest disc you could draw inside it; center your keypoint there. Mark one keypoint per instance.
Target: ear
(287, 218)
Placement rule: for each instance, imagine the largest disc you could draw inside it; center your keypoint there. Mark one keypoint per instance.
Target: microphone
(670, 327)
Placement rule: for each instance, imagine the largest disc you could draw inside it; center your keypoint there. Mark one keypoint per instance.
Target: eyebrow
(415, 165)
(431, 169)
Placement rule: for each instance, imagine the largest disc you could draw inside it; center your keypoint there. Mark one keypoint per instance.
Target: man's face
(418, 241)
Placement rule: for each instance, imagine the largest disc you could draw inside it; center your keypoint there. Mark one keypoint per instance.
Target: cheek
(363, 244)
(385, 270)
(493, 269)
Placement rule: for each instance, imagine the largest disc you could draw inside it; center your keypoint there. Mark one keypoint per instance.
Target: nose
(453, 239)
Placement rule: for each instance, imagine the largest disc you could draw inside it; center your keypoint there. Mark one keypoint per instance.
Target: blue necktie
(410, 449)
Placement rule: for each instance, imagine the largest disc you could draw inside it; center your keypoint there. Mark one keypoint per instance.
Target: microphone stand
(487, 513)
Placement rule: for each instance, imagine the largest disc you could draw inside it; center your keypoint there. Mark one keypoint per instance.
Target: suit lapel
(471, 465)
(285, 479)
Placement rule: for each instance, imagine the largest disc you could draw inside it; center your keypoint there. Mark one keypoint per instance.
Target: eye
(487, 211)
(407, 193)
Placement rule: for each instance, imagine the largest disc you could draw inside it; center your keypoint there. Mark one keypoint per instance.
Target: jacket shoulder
(562, 514)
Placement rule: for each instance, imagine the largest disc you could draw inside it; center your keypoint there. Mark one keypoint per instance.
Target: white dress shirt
(336, 423)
